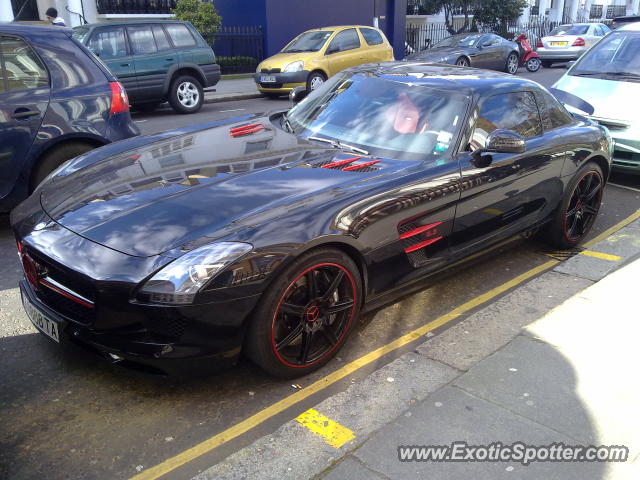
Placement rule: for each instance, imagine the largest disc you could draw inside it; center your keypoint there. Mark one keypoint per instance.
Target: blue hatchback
(57, 101)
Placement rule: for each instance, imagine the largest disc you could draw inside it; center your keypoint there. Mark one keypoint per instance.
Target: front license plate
(47, 326)
(558, 44)
(267, 79)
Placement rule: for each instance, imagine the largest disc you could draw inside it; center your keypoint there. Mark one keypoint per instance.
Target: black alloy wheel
(579, 208)
(306, 315)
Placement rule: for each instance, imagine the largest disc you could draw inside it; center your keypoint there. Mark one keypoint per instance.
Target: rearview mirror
(505, 141)
(297, 94)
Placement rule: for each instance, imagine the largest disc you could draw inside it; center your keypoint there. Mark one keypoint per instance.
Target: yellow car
(315, 55)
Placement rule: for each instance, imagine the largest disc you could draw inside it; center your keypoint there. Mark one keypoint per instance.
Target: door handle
(24, 113)
(125, 64)
(169, 59)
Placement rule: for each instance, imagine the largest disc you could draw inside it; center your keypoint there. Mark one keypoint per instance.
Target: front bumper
(284, 81)
(626, 153)
(561, 54)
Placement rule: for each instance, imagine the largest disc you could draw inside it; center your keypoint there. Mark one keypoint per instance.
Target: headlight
(182, 279)
(294, 66)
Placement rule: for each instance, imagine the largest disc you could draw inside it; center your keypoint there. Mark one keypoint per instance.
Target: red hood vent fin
(246, 129)
(350, 164)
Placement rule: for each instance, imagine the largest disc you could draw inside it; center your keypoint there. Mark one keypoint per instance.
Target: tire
(186, 94)
(54, 158)
(546, 63)
(315, 80)
(533, 64)
(289, 316)
(578, 210)
(512, 64)
(463, 62)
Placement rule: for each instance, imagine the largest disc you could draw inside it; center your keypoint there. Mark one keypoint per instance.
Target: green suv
(156, 61)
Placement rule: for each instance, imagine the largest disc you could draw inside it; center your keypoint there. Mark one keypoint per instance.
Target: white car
(568, 42)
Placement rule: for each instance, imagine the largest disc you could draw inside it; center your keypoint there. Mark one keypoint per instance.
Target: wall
(242, 13)
(306, 14)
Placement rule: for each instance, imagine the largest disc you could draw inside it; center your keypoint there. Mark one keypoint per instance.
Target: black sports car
(270, 234)
(479, 50)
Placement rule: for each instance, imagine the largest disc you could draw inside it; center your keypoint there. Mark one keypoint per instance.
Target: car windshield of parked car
(458, 41)
(384, 116)
(569, 30)
(308, 42)
(617, 56)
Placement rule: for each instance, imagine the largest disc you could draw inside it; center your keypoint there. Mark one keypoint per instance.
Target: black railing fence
(238, 49)
(135, 6)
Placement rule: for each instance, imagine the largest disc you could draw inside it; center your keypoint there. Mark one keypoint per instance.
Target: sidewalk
(228, 89)
(555, 360)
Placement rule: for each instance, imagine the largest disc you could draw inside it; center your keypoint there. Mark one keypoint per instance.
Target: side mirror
(504, 141)
(297, 94)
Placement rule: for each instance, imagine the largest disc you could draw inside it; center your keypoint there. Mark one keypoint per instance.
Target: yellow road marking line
(601, 256)
(615, 228)
(332, 432)
(280, 406)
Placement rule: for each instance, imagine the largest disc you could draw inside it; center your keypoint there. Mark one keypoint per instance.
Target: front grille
(166, 326)
(64, 276)
(66, 307)
(273, 70)
(271, 85)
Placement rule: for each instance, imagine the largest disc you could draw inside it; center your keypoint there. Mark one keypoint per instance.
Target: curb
(231, 97)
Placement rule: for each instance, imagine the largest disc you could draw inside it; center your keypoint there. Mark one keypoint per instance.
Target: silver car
(568, 42)
(608, 77)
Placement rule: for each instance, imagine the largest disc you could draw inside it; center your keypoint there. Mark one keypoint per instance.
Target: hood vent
(246, 129)
(350, 164)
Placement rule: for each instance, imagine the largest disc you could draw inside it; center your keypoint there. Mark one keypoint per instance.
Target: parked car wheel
(306, 315)
(579, 208)
(513, 62)
(462, 62)
(546, 63)
(315, 80)
(54, 158)
(186, 94)
(533, 64)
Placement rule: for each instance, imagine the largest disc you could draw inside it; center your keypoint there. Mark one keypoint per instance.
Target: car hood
(611, 99)
(161, 196)
(280, 60)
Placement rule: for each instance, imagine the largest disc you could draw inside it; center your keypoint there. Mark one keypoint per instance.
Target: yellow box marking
(601, 256)
(332, 432)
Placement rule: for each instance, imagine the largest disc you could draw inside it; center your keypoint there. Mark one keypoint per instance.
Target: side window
(22, 68)
(161, 38)
(516, 111)
(605, 29)
(495, 39)
(554, 115)
(180, 35)
(345, 40)
(108, 42)
(141, 40)
(371, 36)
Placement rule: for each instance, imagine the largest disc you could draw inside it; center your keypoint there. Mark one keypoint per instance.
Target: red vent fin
(358, 166)
(419, 230)
(339, 163)
(420, 245)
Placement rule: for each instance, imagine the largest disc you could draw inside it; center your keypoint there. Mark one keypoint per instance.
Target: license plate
(47, 326)
(267, 79)
(558, 44)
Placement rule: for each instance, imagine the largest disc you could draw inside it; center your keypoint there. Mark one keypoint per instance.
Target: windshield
(569, 30)
(79, 33)
(458, 41)
(616, 55)
(308, 42)
(383, 116)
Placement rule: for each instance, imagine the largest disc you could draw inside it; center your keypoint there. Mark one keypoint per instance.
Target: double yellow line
(280, 406)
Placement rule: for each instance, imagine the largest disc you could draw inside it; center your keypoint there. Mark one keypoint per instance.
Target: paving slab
(625, 244)
(352, 469)
(485, 331)
(450, 415)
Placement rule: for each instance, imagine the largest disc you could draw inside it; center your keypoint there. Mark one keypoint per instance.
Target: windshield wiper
(586, 74)
(287, 123)
(337, 144)
(623, 74)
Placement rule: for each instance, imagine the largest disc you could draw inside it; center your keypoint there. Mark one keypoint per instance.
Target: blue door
(24, 99)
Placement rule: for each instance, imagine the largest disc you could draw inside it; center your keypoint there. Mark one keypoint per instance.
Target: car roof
(129, 22)
(22, 29)
(465, 79)
(630, 27)
(339, 27)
